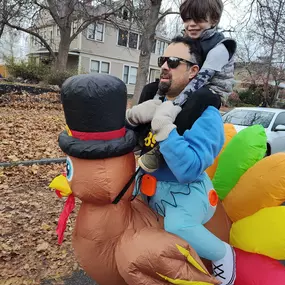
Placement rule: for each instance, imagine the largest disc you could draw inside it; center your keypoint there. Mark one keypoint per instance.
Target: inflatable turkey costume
(119, 241)
(116, 240)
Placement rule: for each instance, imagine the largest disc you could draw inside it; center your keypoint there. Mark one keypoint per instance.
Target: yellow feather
(183, 282)
(190, 259)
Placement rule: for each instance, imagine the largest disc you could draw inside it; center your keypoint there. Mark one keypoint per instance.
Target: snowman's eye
(69, 169)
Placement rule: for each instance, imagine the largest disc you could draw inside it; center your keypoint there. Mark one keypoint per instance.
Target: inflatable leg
(153, 256)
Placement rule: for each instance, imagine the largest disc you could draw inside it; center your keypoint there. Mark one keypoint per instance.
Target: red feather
(62, 221)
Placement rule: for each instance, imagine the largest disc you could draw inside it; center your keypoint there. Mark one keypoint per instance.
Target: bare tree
(2, 9)
(271, 27)
(30, 15)
(247, 56)
(10, 44)
(8, 11)
(147, 16)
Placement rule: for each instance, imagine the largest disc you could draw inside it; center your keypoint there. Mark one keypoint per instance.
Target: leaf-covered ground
(29, 210)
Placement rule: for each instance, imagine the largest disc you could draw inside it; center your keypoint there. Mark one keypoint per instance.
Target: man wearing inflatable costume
(184, 193)
(117, 240)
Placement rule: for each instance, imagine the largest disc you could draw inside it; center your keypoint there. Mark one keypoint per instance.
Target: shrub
(251, 96)
(234, 99)
(56, 77)
(33, 72)
(26, 70)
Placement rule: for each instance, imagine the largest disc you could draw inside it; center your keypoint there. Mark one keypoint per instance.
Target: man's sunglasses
(172, 61)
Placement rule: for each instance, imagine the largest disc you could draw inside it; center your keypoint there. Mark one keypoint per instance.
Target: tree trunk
(146, 47)
(1, 29)
(275, 32)
(63, 49)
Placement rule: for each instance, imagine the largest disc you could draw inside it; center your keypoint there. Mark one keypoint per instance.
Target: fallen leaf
(42, 247)
(46, 227)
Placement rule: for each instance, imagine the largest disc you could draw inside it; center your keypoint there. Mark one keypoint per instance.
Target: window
(126, 74)
(99, 32)
(154, 74)
(105, 66)
(57, 31)
(130, 74)
(128, 39)
(248, 117)
(125, 14)
(123, 38)
(100, 67)
(280, 120)
(95, 32)
(133, 75)
(95, 66)
(160, 47)
(133, 40)
(74, 27)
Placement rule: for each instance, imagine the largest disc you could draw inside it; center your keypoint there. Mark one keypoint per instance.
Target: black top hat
(94, 108)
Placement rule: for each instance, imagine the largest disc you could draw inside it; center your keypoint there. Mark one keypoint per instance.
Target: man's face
(174, 80)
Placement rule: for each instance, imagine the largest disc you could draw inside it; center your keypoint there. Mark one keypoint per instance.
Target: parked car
(273, 120)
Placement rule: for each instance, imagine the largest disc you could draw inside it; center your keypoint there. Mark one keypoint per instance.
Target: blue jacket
(188, 156)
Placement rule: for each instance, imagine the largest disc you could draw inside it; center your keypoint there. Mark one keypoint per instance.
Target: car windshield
(248, 117)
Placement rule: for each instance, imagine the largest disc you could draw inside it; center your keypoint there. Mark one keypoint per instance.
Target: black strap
(126, 187)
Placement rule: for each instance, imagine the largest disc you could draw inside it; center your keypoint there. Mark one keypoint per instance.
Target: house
(103, 48)
(256, 73)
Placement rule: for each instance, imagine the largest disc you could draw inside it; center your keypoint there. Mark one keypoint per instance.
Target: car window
(248, 117)
(280, 120)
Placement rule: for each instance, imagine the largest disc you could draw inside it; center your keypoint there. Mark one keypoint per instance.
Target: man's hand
(162, 122)
(142, 113)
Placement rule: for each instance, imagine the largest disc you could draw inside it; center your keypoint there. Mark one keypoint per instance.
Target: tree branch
(53, 12)
(93, 19)
(47, 46)
(167, 12)
(2, 25)
(41, 5)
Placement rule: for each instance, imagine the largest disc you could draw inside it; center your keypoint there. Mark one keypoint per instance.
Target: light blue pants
(186, 209)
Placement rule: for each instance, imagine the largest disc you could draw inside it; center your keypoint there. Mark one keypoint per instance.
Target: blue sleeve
(188, 156)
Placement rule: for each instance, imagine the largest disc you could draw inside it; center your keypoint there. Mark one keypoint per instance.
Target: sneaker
(151, 160)
(225, 269)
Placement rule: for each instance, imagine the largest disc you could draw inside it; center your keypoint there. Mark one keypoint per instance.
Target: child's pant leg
(186, 221)
(204, 242)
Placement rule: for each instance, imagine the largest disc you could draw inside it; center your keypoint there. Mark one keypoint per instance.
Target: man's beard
(164, 87)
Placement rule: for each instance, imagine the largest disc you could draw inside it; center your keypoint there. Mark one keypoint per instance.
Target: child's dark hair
(198, 10)
(195, 48)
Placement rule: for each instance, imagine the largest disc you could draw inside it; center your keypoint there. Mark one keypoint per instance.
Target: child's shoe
(151, 160)
(225, 269)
